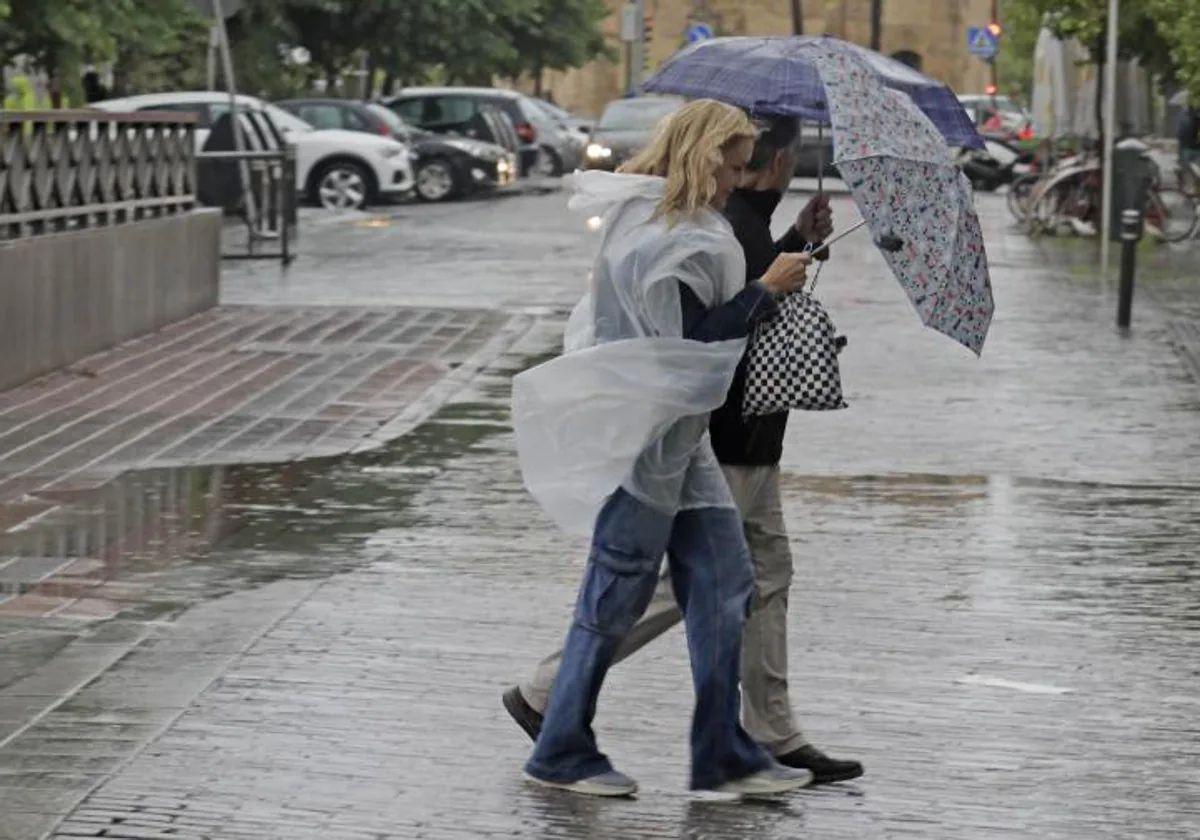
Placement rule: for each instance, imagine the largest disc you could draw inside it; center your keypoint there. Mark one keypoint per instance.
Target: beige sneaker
(773, 781)
(611, 783)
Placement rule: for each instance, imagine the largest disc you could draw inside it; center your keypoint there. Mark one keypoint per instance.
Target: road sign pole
(637, 53)
(1110, 119)
(234, 123)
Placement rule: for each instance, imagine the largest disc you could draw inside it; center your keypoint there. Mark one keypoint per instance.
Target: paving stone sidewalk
(994, 608)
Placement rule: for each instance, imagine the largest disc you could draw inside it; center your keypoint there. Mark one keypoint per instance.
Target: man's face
(784, 166)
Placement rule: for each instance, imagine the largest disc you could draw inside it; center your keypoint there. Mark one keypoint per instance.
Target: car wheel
(343, 185)
(548, 163)
(435, 180)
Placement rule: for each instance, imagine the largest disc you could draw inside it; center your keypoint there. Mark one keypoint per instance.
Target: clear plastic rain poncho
(627, 403)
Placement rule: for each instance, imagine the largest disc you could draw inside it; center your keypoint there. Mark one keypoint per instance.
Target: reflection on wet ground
(1093, 548)
(146, 540)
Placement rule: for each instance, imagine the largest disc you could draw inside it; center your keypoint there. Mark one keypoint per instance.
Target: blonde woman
(612, 438)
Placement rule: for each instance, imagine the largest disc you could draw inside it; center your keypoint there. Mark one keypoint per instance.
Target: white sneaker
(611, 783)
(774, 780)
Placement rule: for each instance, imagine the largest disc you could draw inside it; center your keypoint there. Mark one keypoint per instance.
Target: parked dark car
(445, 167)
(543, 147)
(625, 127)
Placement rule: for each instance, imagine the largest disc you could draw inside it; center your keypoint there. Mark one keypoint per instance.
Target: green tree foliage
(557, 35)
(1014, 63)
(160, 44)
(60, 37)
(1180, 26)
(1163, 34)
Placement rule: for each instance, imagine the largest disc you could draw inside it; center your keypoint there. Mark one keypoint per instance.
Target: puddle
(151, 542)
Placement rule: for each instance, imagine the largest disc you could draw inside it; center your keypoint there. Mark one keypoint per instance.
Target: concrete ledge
(67, 295)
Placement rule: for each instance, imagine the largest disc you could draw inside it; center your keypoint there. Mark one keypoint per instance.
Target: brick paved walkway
(237, 384)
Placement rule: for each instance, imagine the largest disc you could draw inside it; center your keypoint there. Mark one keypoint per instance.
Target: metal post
(995, 72)
(214, 44)
(637, 51)
(797, 17)
(1131, 232)
(1110, 120)
(235, 123)
(820, 158)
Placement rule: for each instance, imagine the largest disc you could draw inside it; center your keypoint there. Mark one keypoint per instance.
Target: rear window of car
(320, 116)
(636, 114)
(389, 118)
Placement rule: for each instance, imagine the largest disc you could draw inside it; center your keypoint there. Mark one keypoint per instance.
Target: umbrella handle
(820, 159)
(836, 237)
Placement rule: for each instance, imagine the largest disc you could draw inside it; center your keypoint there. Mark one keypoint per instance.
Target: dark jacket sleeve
(733, 319)
(791, 242)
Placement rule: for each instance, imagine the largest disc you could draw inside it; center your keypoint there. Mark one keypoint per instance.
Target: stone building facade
(930, 34)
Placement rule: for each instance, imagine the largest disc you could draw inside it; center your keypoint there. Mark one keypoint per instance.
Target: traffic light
(995, 29)
(990, 90)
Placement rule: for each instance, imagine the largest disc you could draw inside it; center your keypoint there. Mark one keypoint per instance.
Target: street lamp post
(1110, 121)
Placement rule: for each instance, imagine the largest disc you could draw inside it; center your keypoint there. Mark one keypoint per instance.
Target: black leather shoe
(525, 715)
(823, 768)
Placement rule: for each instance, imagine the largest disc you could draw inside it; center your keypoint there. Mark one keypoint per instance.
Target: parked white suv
(338, 169)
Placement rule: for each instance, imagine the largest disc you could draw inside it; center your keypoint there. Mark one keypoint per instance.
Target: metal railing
(272, 178)
(65, 170)
(257, 184)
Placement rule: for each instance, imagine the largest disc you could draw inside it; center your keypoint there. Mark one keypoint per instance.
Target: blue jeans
(713, 582)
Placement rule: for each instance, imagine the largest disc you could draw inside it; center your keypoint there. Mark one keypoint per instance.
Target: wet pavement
(996, 605)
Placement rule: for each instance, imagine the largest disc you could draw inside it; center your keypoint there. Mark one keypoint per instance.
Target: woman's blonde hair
(687, 150)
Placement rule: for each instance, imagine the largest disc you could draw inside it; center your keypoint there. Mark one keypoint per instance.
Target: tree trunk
(538, 72)
(797, 17)
(876, 23)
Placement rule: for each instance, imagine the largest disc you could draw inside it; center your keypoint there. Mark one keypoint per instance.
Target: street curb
(425, 406)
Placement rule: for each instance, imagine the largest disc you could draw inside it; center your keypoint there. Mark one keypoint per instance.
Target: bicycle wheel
(1173, 212)
(1019, 192)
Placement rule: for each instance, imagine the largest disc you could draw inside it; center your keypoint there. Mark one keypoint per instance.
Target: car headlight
(392, 151)
(501, 166)
(595, 151)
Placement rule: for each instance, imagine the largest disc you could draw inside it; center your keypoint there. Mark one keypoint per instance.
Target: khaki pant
(766, 709)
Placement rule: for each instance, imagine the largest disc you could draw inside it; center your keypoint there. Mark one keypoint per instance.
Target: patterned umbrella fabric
(779, 76)
(900, 174)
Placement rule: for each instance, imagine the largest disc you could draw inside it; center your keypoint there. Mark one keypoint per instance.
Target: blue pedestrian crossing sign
(699, 32)
(981, 42)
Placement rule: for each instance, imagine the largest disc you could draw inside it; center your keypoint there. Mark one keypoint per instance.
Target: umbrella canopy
(917, 203)
(779, 76)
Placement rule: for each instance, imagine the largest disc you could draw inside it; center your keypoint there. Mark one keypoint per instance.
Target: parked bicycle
(1067, 198)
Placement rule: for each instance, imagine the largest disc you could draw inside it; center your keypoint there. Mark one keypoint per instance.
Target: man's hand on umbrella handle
(786, 274)
(815, 222)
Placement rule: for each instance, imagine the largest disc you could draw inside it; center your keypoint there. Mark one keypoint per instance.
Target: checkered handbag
(793, 360)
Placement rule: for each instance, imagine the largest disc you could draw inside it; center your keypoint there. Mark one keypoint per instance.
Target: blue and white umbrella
(778, 76)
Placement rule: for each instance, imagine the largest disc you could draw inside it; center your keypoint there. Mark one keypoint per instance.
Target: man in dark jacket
(749, 453)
